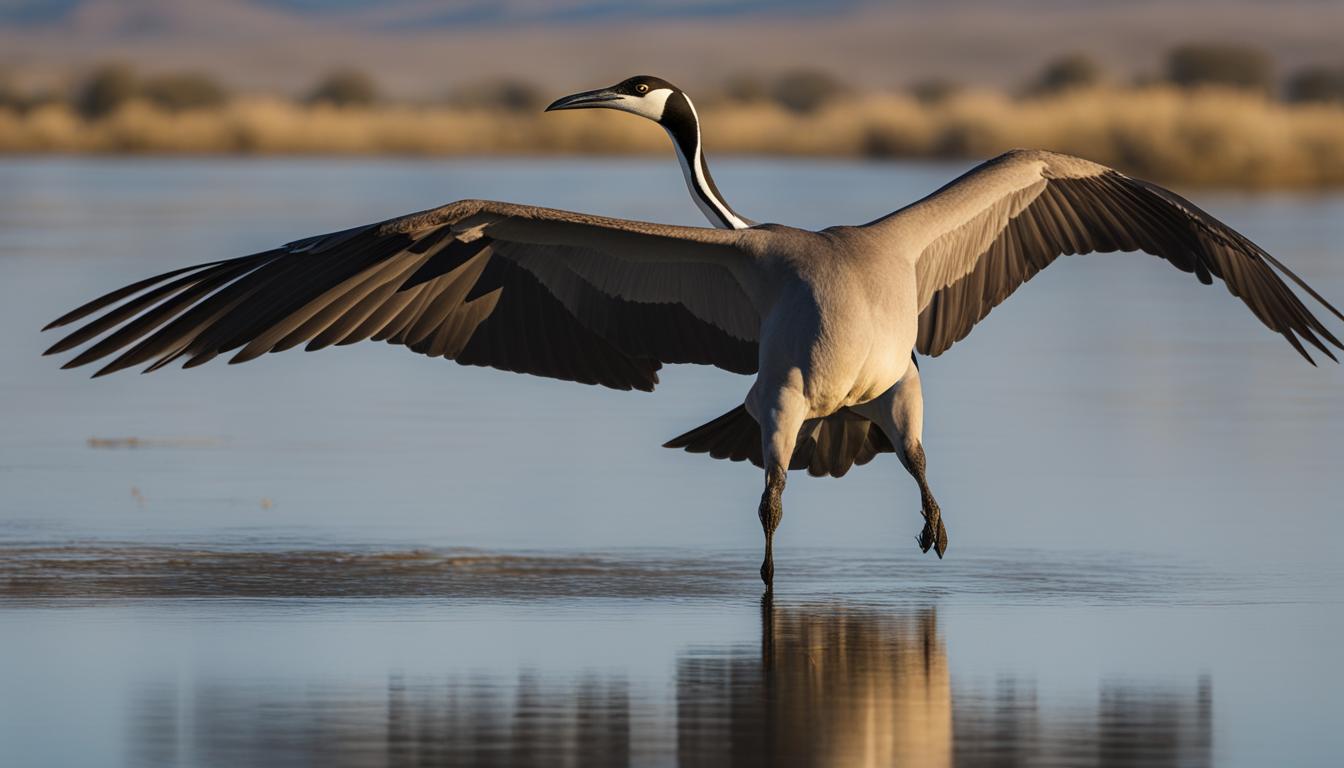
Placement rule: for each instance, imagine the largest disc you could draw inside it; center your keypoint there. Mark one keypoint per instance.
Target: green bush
(345, 88)
(508, 95)
(187, 90)
(105, 90)
(1229, 65)
(10, 96)
(1074, 70)
(934, 91)
(1316, 84)
(746, 89)
(807, 90)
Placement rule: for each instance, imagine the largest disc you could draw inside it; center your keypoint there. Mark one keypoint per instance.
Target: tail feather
(829, 446)
(734, 436)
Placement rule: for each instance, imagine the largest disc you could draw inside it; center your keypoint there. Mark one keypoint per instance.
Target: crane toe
(934, 535)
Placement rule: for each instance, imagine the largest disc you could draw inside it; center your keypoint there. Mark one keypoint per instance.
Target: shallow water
(217, 655)
(365, 557)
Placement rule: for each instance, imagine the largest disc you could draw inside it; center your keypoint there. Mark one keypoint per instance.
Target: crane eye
(642, 88)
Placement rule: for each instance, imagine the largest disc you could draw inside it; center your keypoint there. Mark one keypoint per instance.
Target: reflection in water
(459, 721)
(1130, 725)
(827, 685)
(839, 686)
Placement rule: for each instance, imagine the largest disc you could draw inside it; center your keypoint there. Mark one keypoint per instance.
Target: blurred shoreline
(1212, 137)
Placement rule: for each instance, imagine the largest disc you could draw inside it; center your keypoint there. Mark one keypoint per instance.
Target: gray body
(826, 321)
(835, 335)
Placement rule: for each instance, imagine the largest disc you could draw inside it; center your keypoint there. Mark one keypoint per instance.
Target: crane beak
(602, 97)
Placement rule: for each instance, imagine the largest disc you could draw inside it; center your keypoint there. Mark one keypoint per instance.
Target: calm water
(366, 557)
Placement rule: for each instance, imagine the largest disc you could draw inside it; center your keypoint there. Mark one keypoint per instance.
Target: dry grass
(1220, 138)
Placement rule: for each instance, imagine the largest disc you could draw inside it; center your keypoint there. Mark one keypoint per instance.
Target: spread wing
(521, 288)
(993, 229)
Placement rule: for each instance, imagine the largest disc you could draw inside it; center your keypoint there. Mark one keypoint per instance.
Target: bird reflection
(836, 685)
(830, 686)
(825, 685)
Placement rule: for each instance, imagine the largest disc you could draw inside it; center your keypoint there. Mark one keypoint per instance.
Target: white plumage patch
(650, 105)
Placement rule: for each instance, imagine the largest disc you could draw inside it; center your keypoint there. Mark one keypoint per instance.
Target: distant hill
(420, 48)
(405, 13)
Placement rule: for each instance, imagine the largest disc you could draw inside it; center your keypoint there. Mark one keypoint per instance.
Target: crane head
(642, 95)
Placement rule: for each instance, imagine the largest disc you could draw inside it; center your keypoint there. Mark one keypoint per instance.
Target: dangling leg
(934, 533)
(780, 421)
(771, 512)
(900, 413)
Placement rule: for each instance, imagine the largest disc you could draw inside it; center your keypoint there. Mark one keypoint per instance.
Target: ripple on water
(103, 570)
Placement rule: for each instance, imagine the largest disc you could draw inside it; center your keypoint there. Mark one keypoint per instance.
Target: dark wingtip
(161, 362)
(1301, 350)
(108, 299)
(199, 359)
(1301, 284)
(67, 343)
(121, 363)
(244, 356)
(76, 314)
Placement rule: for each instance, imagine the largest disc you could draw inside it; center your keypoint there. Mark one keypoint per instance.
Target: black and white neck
(679, 119)
(662, 102)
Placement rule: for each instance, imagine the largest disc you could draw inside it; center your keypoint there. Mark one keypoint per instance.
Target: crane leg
(935, 533)
(771, 512)
(780, 421)
(899, 412)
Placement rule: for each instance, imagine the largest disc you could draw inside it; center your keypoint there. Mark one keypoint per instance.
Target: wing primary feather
(119, 294)
(383, 316)
(330, 306)
(292, 302)
(180, 336)
(393, 332)
(121, 313)
(153, 318)
(345, 326)
(455, 286)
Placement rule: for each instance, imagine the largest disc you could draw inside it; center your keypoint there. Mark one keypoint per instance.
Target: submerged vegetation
(1212, 118)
